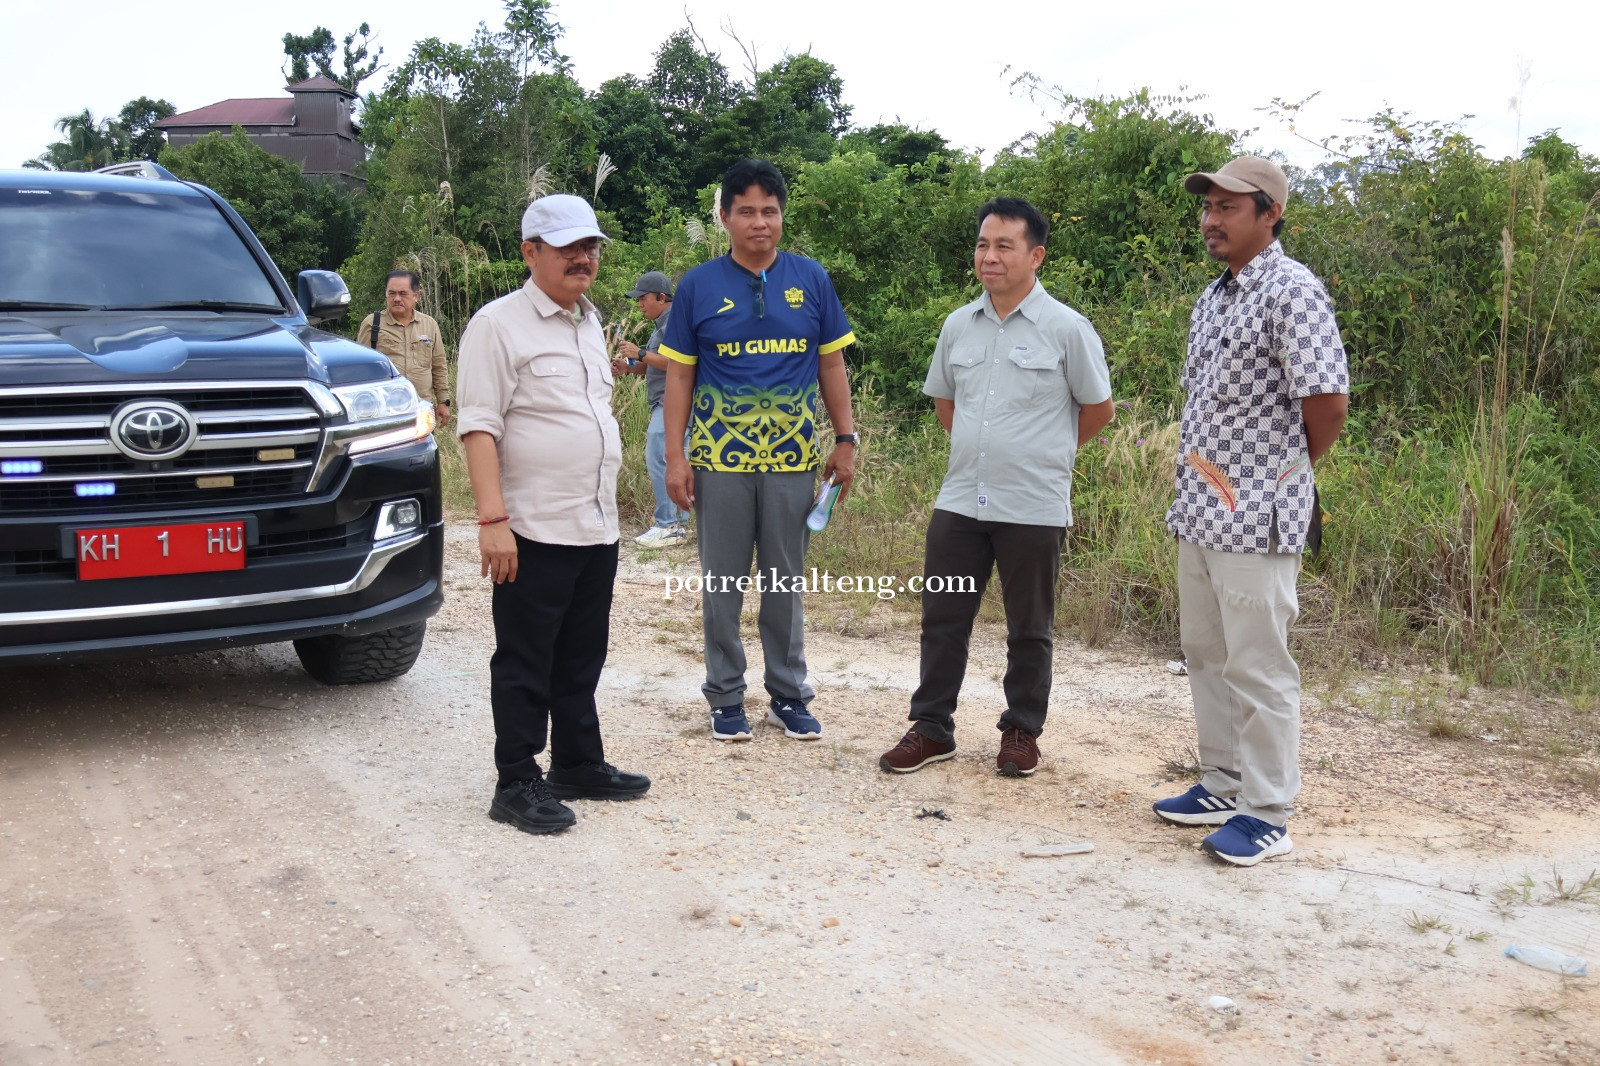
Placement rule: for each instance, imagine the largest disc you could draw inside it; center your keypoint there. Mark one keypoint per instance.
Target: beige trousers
(1234, 614)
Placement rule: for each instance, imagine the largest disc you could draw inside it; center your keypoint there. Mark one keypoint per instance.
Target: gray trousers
(739, 516)
(1234, 614)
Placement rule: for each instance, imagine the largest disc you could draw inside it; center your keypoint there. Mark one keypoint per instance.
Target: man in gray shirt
(653, 293)
(1019, 382)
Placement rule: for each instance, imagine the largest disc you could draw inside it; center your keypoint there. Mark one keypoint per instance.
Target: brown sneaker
(914, 752)
(1019, 754)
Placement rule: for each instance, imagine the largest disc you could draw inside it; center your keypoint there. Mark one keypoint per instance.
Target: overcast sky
(900, 62)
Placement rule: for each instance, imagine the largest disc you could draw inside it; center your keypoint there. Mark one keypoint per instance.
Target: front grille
(312, 541)
(252, 444)
(32, 563)
(31, 496)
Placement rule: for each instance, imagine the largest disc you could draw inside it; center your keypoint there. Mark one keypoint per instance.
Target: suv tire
(381, 656)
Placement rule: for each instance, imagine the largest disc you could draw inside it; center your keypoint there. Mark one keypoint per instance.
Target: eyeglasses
(392, 293)
(758, 286)
(589, 249)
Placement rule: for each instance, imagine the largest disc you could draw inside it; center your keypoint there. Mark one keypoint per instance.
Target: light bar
(96, 488)
(21, 467)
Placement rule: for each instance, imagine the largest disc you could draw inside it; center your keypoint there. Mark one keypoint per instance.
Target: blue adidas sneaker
(1196, 807)
(1245, 841)
(797, 721)
(729, 723)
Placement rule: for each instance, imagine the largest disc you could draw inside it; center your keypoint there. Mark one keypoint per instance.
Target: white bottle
(1546, 959)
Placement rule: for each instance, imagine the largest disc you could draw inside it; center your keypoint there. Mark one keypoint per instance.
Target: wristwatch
(847, 438)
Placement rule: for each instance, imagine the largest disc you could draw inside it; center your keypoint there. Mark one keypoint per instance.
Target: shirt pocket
(550, 382)
(967, 374)
(1038, 377)
(966, 357)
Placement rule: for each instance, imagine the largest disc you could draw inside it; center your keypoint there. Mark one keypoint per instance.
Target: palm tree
(89, 143)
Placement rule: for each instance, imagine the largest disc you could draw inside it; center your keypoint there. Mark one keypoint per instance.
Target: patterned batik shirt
(1258, 344)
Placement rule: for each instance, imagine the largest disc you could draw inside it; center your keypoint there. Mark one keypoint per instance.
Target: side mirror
(322, 294)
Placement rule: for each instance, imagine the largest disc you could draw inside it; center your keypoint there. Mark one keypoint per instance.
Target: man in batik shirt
(1267, 394)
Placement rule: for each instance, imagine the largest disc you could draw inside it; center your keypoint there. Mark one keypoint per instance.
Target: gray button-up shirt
(1017, 385)
(538, 380)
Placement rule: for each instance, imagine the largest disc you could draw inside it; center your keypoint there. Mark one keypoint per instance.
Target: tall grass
(1395, 576)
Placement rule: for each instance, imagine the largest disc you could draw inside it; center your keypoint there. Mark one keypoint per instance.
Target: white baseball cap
(560, 219)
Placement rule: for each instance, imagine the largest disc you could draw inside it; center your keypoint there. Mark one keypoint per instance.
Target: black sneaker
(530, 807)
(596, 781)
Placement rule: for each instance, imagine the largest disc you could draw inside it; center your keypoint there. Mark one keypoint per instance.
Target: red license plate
(149, 551)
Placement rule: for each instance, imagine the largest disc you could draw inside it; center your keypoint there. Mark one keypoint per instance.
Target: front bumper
(311, 569)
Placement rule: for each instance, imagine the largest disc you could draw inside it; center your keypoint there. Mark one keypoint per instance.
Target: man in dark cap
(653, 293)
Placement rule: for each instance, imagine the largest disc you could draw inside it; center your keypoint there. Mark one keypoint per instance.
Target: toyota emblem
(152, 429)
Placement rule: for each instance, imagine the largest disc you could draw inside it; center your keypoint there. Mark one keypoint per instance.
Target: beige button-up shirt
(537, 379)
(416, 349)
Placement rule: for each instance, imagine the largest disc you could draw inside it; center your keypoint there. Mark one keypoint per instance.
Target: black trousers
(551, 627)
(1029, 559)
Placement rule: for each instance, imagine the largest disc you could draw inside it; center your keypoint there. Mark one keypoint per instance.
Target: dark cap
(1248, 173)
(651, 281)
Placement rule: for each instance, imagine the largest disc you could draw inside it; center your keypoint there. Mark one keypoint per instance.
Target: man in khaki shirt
(543, 451)
(411, 340)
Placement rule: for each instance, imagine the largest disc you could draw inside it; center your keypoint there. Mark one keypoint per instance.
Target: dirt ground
(212, 859)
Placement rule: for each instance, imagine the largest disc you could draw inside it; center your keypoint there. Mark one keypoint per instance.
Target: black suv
(185, 461)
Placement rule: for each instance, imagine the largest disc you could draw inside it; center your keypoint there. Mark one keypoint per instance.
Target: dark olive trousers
(551, 626)
(1029, 559)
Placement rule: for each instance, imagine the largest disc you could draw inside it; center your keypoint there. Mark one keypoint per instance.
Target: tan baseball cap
(1247, 173)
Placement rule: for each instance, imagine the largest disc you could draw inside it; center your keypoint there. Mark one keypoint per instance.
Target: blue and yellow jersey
(755, 342)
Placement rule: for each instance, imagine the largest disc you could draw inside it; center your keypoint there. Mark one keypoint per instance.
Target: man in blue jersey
(755, 336)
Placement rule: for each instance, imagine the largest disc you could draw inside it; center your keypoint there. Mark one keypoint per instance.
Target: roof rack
(140, 168)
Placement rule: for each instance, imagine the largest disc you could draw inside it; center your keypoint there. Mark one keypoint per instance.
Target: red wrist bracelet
(494, 521)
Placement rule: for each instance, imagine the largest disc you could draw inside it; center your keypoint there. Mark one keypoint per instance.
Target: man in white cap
(1268, 389)
(533, 387)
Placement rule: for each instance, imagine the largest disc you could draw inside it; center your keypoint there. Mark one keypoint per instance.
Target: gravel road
(212, 859)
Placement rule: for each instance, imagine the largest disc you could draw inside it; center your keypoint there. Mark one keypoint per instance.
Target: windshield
(98, 248)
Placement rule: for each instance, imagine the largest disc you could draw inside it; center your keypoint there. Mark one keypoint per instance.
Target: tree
(136, 124)
(279, 202)
(88, 143)
(898, 145)
(794, 114)
(316, 49)
(632, 127)
(691, 85)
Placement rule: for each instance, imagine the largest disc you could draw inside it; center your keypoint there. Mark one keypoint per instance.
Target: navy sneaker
(729, 723)
(1245, 841)
(797, 721)
(1196, 807)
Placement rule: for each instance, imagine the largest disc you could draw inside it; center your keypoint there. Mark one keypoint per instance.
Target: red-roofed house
(314, 127)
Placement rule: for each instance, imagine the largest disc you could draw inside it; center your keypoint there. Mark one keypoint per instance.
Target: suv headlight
(384, 414)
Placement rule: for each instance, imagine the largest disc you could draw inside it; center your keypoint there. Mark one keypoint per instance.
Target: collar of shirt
(1265, 262)
(548, 307)
(1029, 307)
